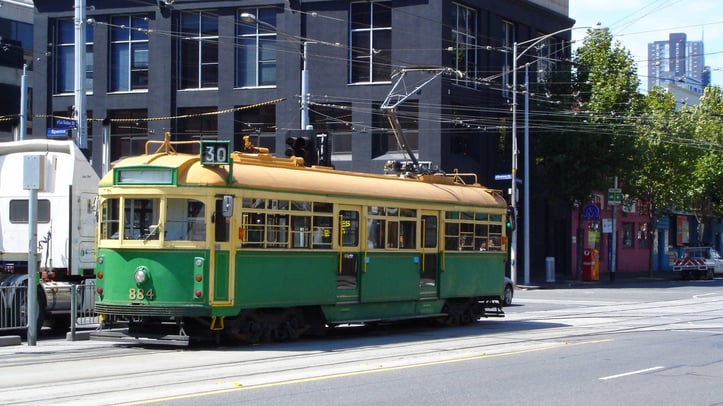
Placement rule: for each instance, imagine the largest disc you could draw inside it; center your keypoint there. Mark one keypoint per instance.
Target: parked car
(509, 292)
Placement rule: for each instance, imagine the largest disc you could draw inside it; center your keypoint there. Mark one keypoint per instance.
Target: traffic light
(296, 146)
(302, 147)
(511, 221)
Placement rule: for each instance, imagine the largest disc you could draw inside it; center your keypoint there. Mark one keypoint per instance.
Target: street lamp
(530, 43)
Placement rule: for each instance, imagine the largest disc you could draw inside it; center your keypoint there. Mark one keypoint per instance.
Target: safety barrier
(82, 299)
(13, 302)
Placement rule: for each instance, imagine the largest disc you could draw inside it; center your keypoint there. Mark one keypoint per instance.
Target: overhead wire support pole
(531, 43)
(79, 112)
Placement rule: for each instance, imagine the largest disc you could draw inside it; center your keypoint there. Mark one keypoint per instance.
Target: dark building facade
(227, 69)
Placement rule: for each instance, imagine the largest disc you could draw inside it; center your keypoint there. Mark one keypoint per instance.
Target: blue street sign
(57, 133)
(591, 212)
(506, 176)
(65, 123)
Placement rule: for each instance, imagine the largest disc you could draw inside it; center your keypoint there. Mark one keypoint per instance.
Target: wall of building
(421, 35)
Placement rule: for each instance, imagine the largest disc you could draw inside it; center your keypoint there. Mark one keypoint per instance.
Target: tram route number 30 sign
(215, 152)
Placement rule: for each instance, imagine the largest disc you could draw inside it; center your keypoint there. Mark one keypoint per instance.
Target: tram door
(222, 276)
(429, 265)
(347, 278)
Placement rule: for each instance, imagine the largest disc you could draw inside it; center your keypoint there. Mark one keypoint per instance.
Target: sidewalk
(604, 280)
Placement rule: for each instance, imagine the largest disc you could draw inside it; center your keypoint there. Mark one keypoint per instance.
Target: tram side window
(407, 235)
(496, 235)
(376, 233)
(430, 231)
(451, 236)
(323, 226)
(252, 234)
(300, 231)
(277, 229)
(110, 219)
(467, 231)
(19, 211)
(141, 219)
(349, 228)
(185, 220)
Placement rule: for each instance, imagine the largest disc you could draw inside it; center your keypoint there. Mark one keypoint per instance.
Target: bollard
(550, 269)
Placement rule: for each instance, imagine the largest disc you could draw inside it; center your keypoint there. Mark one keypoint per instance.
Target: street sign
(57, 133)
(506, 176)
(64, 123)
(615, 196)
(591, 212)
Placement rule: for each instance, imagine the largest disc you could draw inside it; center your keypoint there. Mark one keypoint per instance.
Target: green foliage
(707, 120)
(596, 137)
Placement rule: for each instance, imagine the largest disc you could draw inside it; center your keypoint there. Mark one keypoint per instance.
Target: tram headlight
(141, 275)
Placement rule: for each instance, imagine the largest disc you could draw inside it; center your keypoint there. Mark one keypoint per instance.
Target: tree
(664, 161)
(597, 141)
(706, 196)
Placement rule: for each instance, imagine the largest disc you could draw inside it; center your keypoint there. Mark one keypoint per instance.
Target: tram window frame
(141, 222)
(185, 220)
(349, 234)
(391, 228)
(286, 224)
(110, 219)
(19, 211)
(430, 231)
(472, 231)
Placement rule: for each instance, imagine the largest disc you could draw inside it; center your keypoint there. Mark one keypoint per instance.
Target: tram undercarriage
(254, 326)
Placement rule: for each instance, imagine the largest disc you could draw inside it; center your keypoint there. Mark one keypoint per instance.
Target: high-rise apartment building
(677, 62)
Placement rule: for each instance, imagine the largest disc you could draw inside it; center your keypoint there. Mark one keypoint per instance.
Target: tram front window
(141, 220)
(185, 220)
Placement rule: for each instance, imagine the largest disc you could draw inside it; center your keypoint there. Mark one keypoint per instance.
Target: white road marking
(642, 371)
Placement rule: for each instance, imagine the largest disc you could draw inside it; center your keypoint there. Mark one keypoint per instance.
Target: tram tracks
(125, 373)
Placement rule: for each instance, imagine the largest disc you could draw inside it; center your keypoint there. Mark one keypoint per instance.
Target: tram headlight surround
(140, 275)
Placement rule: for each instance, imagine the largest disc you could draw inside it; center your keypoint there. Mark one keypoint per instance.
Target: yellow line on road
(357, 373)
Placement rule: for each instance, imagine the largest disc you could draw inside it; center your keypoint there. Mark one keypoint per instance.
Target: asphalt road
(654, 343)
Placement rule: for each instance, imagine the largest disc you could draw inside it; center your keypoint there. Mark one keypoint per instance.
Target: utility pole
(79, 112)
(23, 125)
(305, 91)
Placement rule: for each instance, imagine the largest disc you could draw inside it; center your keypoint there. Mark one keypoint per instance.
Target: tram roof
(263, 172)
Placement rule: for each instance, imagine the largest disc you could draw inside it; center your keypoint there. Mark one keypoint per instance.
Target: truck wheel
(709, 274)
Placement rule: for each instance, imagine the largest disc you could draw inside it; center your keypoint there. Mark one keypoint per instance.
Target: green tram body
(263, 248)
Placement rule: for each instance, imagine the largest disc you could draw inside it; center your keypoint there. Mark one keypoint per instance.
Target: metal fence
(14, 300)
(13, 304)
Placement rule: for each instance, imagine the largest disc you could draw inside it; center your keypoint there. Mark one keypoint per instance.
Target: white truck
(698, 263)
(66, 221)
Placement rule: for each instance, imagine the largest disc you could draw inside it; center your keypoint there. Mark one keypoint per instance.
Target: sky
(635, 23)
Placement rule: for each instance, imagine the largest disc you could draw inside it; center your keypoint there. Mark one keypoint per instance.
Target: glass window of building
(199, 50)
(129, 132)
(20, 32)
(128, 53)
(371, 41)
(259, 123)
(65, 57)
(335, 121)
(464, 33)
(256, 48)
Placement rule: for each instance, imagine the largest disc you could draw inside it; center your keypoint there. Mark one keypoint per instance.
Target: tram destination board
(215, 152)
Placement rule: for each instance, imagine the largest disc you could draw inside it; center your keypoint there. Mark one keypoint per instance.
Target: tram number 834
(140, 294)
